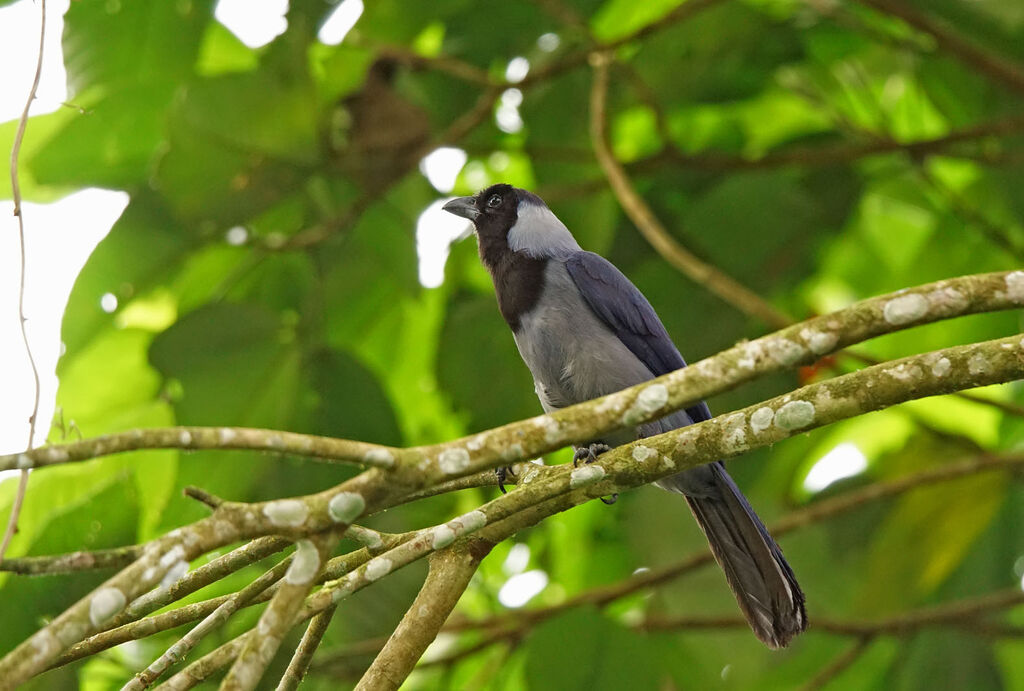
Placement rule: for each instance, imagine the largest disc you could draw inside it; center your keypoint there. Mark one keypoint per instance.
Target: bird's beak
(462, 206)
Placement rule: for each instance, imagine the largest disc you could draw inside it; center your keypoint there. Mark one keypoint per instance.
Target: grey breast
(572, 354)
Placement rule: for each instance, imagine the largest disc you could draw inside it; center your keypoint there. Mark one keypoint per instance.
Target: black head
(493, 210)
(508, 219)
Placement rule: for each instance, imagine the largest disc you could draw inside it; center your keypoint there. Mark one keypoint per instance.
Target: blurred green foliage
(718, 117)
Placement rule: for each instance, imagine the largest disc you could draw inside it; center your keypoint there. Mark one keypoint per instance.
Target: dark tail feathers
(758, 574)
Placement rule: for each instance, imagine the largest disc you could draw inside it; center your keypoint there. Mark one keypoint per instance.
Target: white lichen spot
(72, 632)
(735, 431)
(268, 622)
(225, 435)
(105, 604)
(647, 402)
(529, 476)
(512, 452)
(905, 309)
(305, 564)
(761, 419)
(1015, 286)
(476, 443)
(286, 513)
(795, 415)
(55, 455)
(380, 457)
(24, 462)
(172, 556)
(453, 461)
(904, 372)
(471, 522)
(185, 438)
(442, 536)
(44, 645)
(643, 453)
(979, 364)
(820, 342)
(949, 299)
(585, 475)
(784, 351)
(550, 426)
(341, 591)
(275, 441)
(345, 507)
(378, 567)
(174, 574)
(941, 368)
(752, 352)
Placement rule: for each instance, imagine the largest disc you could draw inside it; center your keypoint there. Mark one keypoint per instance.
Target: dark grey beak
(462, 206)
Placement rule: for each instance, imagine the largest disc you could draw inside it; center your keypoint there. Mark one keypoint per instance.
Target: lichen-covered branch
(414, 469)
(299, 664)
(214, 620)
(809, 515)
(73, 562)
(279, 616)
(449, 574)
(195, 438)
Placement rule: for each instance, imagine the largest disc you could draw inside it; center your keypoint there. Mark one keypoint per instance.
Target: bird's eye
(494, 201)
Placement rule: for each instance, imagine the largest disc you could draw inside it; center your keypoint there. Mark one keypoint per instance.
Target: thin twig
(701, 272)
(839, 664)
(299, 664)
(19, 497)
(997, 67)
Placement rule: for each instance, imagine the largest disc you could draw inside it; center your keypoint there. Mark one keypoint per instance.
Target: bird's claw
(503, 474)
(589, 454)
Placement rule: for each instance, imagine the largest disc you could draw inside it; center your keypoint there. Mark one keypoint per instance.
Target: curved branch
(711, 277)
(450, 572)
(299, 664)
(995, 66)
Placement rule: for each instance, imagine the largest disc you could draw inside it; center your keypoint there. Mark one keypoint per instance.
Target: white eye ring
(494, 201)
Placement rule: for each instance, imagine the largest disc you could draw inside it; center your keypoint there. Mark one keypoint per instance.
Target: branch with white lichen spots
(543, 491)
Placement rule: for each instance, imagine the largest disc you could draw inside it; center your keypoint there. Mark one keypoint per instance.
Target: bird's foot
(589, 454)
(503, 473)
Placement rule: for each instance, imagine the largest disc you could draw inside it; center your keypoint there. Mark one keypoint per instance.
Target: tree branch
(299, 664)
(279, 616)
(449, 575)
(996, 67)
(19, 136)
(700, 272)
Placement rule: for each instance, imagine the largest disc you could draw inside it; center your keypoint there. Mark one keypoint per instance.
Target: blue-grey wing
(621, 305)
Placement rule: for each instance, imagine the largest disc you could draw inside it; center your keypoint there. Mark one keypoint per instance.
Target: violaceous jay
(585, 331)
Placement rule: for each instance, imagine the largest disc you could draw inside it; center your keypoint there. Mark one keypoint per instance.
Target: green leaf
(131, 42)
(350, 402)
(475, 337)
(38, 132)
(143, 246)
(111, 143)
(235, 364)
(604, 655)
(620, 18)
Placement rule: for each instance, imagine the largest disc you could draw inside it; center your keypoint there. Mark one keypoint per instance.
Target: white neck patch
(539, 234)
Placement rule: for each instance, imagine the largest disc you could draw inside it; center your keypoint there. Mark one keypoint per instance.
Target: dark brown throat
(518, 280)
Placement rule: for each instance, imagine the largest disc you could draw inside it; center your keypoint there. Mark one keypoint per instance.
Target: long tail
(760, 578)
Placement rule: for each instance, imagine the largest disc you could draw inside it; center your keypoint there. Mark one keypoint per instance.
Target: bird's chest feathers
(572, 355)
(518, 283)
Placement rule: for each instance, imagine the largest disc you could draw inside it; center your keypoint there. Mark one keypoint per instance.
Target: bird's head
(509, 219)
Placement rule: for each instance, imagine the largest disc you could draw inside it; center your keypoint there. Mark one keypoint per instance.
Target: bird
(585, 331)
